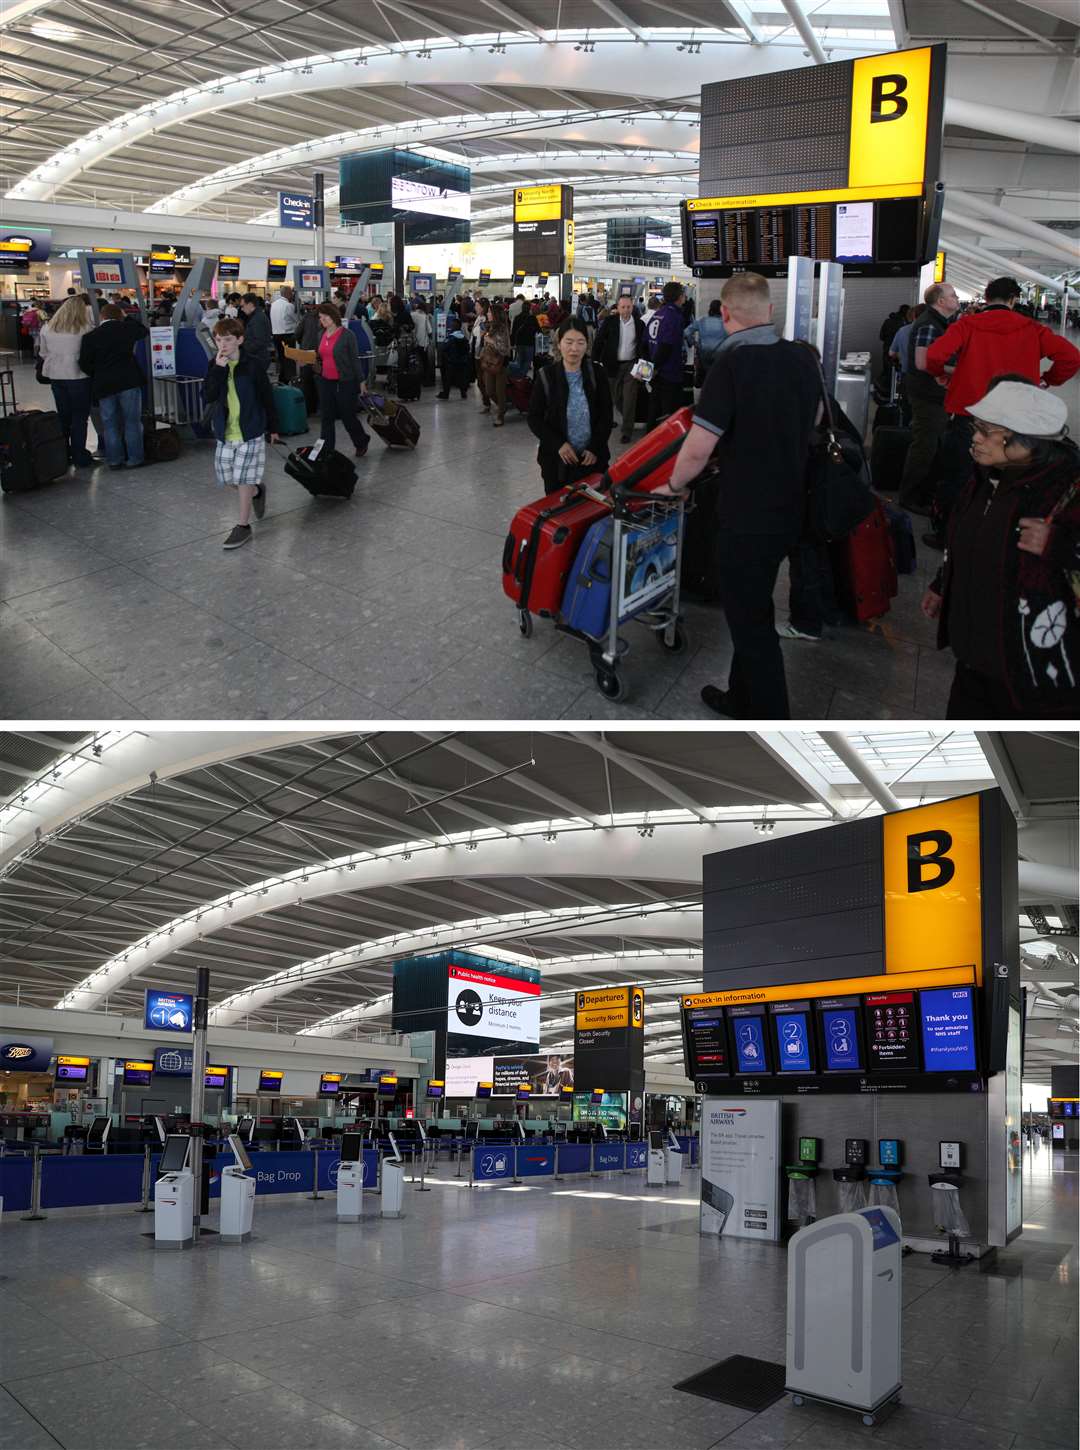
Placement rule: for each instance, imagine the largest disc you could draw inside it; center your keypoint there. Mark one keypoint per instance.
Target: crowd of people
(989, 460)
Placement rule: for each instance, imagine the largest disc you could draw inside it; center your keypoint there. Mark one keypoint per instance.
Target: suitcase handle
(628, 484)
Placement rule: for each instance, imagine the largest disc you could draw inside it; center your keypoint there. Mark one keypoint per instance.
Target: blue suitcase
(586, 604)
(291, 410)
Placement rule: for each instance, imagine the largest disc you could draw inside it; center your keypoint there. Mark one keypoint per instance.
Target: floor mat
(749, 1384)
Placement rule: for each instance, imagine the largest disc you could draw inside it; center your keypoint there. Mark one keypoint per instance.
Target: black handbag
(838, 496)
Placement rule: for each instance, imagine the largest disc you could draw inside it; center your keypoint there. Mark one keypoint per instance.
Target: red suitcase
(519, 391)
(864, 566)
(542, 545)
(637, 456)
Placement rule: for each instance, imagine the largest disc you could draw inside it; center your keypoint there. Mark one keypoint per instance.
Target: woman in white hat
(1007, 597)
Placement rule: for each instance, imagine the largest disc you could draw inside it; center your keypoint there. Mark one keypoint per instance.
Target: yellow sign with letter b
(890, 106)
(933, 887)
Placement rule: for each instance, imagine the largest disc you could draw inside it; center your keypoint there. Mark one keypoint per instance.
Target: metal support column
(198, 1091)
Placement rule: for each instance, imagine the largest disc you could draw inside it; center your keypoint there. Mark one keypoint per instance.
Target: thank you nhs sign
(296, 209)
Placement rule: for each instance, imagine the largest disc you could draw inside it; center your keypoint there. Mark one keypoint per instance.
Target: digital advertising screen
(329, 1084)
(215, 1077)
(270, 1080)
(791, 1026)
(840, 1035)
(431, 197)
(947, 1026)
(891, 1037)
(72, 1069)
(1057, 1132)
(747, 1027)
(138, 1074)
(487, 1010)
(168, 1011)
(855, 231)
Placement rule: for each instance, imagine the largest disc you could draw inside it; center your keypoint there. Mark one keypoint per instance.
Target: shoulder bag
(838, 497)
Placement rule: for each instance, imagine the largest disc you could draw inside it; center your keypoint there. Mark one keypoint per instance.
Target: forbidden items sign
(162, 352)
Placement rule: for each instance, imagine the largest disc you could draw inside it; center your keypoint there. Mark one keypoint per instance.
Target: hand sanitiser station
(237, 1196)
(843, 1326)
(174, 1195)
(350, 1179)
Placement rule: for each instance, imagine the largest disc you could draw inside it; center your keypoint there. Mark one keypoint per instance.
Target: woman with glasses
(1007, 597)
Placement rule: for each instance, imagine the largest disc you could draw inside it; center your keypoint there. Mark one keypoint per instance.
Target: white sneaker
(788, 631)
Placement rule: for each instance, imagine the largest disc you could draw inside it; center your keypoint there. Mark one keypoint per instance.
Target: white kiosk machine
(174, 1195)
(843, 1325)
(673, 1158)
(350, 1179)
(393, 1183)
(655, 1162)
(237, 1196)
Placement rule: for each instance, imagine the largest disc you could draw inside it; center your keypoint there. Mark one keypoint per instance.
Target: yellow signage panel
(804, 198)
(637, 1008)
(838, 987)
(537, 203)
(890, 109)
(568, 247)
(933, 887)
(939, 267)
(609, 1007)
(14, 246)
(73, 1062)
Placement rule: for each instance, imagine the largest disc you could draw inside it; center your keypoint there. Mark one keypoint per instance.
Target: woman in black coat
(570, 412)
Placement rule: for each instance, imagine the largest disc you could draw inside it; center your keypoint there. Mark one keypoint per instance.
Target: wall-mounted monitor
(750, 1050)
(228, 268)
(137, 1074)
(596, 1097)
(216, 1077)
(436, 1087)
(270, 1080)
(388, 1084)
(892, 1043)
(277, 269)
(483, 1089)
(524, 1092)
(706, 1043)
(839, 1024)
(791, 1036)
(947, 1029)
(70, 1070)
(168, 1011)
(329, 1084)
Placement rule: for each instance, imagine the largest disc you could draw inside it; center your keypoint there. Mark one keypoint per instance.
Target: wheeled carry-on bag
(864, 568)
(290, 409)
(889, 415)
(391, 421)
(903, 537)
(888, 454)
(410, 375)
(324, 472)
(33, 451)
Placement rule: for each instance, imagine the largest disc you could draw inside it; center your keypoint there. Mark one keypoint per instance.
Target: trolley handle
(628, 485)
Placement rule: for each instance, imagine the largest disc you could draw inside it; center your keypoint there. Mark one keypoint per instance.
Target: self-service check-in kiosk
(673, 1158)
(350, 1179)
(237, 1196)
(393, 1182)
(655, 1165)
(174, 1195)
(843, 1322)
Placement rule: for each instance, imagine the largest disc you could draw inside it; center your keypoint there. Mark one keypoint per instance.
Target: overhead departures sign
(609, 1032)
(543, 230)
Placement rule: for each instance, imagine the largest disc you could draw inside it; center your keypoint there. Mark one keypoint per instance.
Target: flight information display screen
(748, 1034)
(137, 1074)
(890, 1031)
(947, 1026)
(868, 237)
(706, 1042)
(791, 1026)
(840, 1035)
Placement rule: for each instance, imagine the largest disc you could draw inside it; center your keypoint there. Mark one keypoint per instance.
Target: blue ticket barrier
(15, 1175)
(491, 1164)
(637, 1155)
(535, 1162)
(87, 1180)
(609, 1157)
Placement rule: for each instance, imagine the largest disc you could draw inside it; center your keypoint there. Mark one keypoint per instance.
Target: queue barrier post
(558, 1175)
(315, 1175)
(421, 1187)
(144, 1206)
(457, 1171)
(514, 1177)
(35, 1187)
(592, 1161)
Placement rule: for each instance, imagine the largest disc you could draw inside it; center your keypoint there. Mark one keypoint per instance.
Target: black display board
(609, 1039)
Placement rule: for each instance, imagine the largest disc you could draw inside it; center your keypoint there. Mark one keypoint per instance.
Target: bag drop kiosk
(673, 1158)
(350, 1179)
(237, 1196)
(174, 1195)
(393, 1183)
(655, 1165)
(843, 1319)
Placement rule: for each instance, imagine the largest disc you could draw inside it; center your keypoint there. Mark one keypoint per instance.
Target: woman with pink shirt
(342, 376)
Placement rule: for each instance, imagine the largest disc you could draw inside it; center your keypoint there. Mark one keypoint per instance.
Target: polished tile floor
(500, 1319)
(117, 601)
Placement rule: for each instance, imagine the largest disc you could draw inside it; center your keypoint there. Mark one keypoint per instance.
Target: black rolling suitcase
(410, 375)
(328, 475)
(33, 451)
(391, 421)
(889, 415)
(888, 452)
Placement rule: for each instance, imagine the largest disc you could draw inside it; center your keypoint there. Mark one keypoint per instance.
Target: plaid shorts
(240, 463)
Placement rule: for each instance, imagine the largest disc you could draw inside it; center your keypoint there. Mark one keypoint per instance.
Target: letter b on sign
(887, 101)
(928, 869)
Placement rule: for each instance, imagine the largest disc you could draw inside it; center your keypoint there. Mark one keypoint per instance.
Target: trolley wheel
(609, 684)
(525, 623)
(678, 643)
(869, 1419)
(797, 1400)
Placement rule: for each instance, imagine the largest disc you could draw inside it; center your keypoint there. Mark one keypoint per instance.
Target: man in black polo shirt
(757, 408)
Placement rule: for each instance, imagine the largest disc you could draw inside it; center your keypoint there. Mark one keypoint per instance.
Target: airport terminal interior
(165, 156)
(450, 1196)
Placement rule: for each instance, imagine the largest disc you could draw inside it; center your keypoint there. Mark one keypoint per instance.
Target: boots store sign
(26, 1054)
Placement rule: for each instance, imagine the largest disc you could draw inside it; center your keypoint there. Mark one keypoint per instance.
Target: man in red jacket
(980, 347)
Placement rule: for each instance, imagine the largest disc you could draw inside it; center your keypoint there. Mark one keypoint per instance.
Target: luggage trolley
(637, 562)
